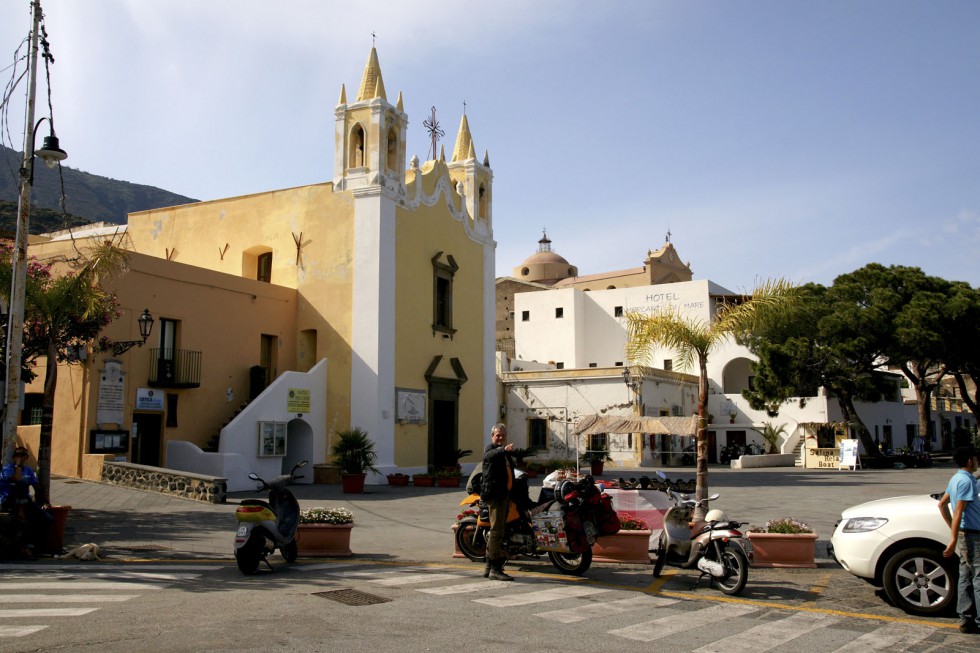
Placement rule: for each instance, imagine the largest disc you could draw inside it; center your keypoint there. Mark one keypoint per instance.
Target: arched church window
(357, 143)
(482, 202)
(391, 162)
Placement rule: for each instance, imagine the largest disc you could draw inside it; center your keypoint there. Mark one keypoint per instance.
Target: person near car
(16, 480)
(964, 525)
(496, 484)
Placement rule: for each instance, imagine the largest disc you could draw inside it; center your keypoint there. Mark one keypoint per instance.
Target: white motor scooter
(715, 546)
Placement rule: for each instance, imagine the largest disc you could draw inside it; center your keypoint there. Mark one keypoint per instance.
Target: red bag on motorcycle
(606, 520)
(575, 531)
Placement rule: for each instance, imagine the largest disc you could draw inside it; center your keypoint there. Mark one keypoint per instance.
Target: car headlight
(864, 524)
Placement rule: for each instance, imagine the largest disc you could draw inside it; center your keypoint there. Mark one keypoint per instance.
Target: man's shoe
(498, 574)
(487, 569)
(969, 627)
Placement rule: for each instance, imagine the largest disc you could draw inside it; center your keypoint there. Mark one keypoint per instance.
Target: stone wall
(198, 487)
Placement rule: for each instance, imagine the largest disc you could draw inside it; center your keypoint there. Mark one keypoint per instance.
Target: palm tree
(693, 340)
(771, 434)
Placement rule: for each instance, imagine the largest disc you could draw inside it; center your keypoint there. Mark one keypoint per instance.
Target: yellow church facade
(383, 280)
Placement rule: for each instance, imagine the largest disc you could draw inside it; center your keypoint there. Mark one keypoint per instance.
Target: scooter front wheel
(573, 564)
(736, 571)
(470, 541)
(658, 565)
(290, 551)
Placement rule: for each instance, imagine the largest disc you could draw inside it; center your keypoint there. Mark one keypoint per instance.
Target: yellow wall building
(386, 273)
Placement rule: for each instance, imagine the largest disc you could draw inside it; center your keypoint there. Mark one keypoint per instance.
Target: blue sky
(773, 138)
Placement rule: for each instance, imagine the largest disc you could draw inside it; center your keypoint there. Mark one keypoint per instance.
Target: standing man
(16, 480)
(498, 479)
(964, 525)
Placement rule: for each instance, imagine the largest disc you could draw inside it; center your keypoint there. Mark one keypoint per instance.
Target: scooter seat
(256, 502)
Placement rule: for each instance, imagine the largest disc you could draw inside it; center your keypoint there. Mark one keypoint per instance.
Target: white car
(897, 543)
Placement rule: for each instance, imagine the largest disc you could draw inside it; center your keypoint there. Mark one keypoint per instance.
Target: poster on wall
(410, 405)
(149, 399)
(298, 400)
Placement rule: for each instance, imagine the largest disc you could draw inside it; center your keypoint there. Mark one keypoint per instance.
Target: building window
(559, 313)
(618, 363)
(618, 311)
(668, 364)
(559, 366)
(525, 316)
(355, 158)
(442, 294)
(598, 442)
(264, 267)
(592, 365)
(537, 433)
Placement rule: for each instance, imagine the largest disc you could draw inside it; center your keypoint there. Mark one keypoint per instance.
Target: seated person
(16, 481)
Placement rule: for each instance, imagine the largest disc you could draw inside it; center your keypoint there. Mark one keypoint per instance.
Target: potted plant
(448, 478)
(458, 455)
(784, 542)
(596, 458)
(630, 545)
(324, 532)
(423, 479)
(354, 454)
(398, 479)
(732, 414)
(520, 457)
(771, 434)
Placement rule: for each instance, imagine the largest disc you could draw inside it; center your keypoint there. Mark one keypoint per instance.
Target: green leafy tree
(61, 311)
(962, 359)
(693, 340)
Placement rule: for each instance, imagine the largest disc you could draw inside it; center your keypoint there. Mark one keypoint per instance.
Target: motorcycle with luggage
(713, 546)
(264, 526)
(563, 528)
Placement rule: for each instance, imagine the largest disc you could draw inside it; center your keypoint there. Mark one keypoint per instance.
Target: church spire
(464, 142)
(372, 86)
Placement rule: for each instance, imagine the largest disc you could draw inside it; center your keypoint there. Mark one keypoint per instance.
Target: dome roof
(545, 257)
(545, 266)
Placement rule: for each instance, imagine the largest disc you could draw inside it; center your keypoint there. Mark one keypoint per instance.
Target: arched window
(391, 161)
(357, 144)
(481, 207)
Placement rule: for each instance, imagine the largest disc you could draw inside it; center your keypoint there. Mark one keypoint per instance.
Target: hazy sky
(772, 137)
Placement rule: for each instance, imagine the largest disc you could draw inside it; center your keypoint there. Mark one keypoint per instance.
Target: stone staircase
(215, 440)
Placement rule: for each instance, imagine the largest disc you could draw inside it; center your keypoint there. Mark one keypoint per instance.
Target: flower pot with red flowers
(630, 545)
(447, 478)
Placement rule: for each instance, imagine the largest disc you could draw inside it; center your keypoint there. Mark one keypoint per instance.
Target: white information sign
(112, 394)
(849, 455)
(149, 399)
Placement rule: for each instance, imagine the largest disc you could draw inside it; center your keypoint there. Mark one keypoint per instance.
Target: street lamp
(51, 153)
(146, 327)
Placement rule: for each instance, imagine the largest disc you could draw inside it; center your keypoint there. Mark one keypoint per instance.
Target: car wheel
(920, 581)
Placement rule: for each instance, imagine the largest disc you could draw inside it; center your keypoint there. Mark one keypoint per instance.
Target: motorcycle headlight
(864, 524)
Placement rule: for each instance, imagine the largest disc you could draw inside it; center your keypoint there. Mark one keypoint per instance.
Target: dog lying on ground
(84, 552)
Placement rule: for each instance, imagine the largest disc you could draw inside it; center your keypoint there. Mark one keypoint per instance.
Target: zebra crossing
(28, 593)
(757, 628)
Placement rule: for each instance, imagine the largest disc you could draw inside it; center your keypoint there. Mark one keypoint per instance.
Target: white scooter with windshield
(714, 546)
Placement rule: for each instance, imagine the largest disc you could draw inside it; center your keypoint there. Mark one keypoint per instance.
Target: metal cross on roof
(435, 133)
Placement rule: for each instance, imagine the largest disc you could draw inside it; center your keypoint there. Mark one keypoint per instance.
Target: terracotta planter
(353, 483)
(456, 552)
(783, 549)
(399, 480)
(625, 546)
(324, 540)
(596, 468)
(448, 481)
(424, 481)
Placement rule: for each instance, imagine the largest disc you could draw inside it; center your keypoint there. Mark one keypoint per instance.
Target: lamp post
(51, 153)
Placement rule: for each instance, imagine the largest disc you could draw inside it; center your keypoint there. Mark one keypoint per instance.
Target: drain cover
(352, 597)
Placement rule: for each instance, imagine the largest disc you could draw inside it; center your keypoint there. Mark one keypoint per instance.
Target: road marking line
(540, 596)
(65, 598)
(594, 610)
(409, 579)
(887, 637)
(101, 566)
(767, 636)
(650, 631)
(822, 583)
(82, 585)
(19, 631)
(458, 589)
(33, 613)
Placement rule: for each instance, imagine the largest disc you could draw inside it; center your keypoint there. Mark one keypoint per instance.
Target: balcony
(174, 368)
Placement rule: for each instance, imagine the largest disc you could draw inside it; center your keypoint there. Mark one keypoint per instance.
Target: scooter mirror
(253, 476)
(713, 497)
(301, 464)
(661, 475)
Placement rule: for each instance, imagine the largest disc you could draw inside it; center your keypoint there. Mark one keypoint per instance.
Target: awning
(686, 426)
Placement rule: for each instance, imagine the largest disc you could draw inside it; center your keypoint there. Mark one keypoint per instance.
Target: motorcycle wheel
(290, 552)
(573, 564)
(737, 572)
(248, 555)
(658, 565)
(470, 541)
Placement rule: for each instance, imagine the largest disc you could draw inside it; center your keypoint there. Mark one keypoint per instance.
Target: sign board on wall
(298, 400)
(149, 399)
(821, 458)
